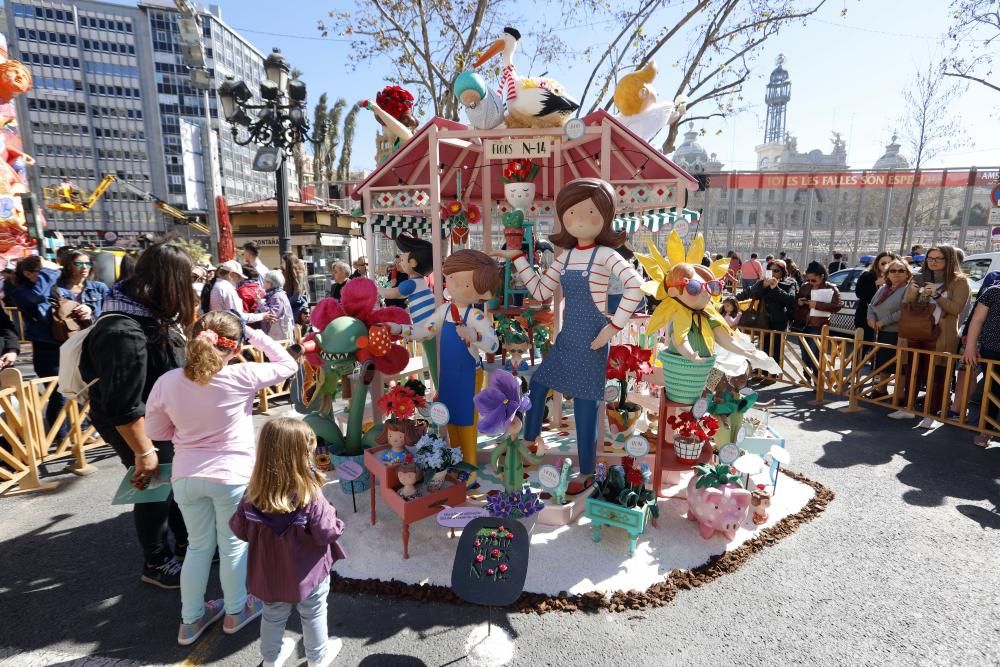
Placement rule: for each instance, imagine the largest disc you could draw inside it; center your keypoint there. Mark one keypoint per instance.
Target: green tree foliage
(344, 166)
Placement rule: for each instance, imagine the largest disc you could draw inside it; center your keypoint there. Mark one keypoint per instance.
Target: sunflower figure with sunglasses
(687, 292)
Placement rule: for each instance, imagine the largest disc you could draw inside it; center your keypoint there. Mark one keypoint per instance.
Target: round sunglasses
(693, 286)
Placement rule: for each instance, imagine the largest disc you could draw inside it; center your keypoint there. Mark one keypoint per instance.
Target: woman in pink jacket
(206, 409)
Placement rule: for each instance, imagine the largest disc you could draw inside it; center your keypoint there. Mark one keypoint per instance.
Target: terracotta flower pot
(460, 235)
(513, 237)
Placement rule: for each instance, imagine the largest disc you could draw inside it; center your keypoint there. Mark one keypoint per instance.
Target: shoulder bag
(916, 322)
(755, 316)
(64, 324)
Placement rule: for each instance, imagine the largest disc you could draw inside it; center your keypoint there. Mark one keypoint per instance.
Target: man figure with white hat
(228, 275)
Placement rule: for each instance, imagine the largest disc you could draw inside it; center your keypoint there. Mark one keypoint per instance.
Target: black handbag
(755, 316)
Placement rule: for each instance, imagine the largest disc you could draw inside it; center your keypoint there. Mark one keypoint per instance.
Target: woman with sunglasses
(777, 294)
(885, 309)
(812, 315)
(74, 285)
(944, 285)
(868, 283)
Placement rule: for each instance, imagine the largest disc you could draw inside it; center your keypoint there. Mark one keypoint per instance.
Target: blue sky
(847, 75)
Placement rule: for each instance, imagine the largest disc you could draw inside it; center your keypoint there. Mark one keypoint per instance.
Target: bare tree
(344, 166)
(429, 42)
(722, 38)
(974, 36)
(319, 118)
(332, 139)
(930, 126)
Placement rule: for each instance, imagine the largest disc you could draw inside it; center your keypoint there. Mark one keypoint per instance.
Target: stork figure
(531, 101)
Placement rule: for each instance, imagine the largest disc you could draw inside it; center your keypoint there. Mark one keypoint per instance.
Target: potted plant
(400, 431)
(523, 505)
(460, 216)
(691, 434)
(518, 183)
(627, 365)
(436, 458)
(621, 499)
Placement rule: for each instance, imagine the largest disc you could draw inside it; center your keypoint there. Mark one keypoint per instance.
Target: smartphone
(919, 279)
(768, 274)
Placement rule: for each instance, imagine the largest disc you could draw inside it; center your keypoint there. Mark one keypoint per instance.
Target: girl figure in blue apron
(465, 333)
(577, 363)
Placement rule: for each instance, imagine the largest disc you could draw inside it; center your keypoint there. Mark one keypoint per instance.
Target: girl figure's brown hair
(486, 276)
(603, 196)
(208, 353)
(284, 477)
(407, 427)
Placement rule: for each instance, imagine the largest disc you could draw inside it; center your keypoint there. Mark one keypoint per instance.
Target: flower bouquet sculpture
(500, 406)
(351, 335)
(626, 364)
(393, 109)
(691, 434)
(400, 430)
(687, 291)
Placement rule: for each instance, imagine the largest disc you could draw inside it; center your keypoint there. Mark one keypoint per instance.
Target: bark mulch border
(656, 595)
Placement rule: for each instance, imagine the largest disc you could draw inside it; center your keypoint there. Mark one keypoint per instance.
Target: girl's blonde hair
(206, 357)
(627, 97)
(284, 478)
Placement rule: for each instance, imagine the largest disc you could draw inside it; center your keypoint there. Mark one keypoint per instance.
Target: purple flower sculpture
(500, 402)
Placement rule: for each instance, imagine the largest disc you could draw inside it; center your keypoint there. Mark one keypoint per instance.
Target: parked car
(842, 323)
(977, 266)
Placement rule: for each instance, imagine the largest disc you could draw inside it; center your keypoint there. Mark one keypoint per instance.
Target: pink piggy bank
(718, 508)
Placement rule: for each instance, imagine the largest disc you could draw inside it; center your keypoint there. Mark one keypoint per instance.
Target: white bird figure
(531, 101)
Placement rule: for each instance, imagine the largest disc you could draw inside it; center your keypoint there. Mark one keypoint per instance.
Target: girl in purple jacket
(292, 531)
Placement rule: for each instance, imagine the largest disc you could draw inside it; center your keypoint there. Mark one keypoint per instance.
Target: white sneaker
(928, 423)
(333, 646)
(901, 414)
(287, 650)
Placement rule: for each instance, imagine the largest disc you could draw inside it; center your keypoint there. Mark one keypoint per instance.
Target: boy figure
(464, 333)
(415, 259)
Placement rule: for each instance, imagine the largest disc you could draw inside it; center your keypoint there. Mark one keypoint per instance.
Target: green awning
(654, 219)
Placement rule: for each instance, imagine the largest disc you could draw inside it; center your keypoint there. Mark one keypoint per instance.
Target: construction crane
(68, 198)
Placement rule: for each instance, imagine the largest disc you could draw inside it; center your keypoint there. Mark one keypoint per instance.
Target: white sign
(728, 454)
(439, 414)
(610, 392)
(700, 408)
(548, 476)
(637, 446)
(510, 149)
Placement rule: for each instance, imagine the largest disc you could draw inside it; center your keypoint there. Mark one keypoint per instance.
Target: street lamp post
(277, 124)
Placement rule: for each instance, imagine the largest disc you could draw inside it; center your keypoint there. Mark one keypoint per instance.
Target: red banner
(767, 180)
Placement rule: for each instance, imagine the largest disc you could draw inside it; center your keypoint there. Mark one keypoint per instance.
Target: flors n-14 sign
(508, 149)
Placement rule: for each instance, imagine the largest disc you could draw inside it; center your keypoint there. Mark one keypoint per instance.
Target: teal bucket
(684, 380)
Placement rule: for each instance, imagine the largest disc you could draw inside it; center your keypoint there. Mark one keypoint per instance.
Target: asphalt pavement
(903, 568)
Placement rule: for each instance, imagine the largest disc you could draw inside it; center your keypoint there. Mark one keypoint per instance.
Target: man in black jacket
(777, 294)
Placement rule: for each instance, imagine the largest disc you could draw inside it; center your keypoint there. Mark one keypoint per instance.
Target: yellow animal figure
(688, 294)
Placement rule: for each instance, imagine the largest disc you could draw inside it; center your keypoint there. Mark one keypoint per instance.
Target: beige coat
(951, 306)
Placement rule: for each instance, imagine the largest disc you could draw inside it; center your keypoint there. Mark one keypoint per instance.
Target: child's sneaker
(287, 649)
(333, 646)
(251, 610)
(189, 632)
(165, 575)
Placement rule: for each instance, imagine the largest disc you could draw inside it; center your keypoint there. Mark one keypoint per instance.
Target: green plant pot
(683, 379)
(362, 483)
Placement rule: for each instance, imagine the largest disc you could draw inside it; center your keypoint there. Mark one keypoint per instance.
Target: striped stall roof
(653, 219)
(392, 225)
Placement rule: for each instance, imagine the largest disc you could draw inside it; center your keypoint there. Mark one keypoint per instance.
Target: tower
(778, 93)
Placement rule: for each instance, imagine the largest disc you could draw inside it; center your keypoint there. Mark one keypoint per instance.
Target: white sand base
(563, 558)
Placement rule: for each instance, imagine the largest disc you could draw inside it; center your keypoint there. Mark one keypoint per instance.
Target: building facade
(110, 94)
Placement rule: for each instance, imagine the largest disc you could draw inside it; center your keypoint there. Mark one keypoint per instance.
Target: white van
(977, 266)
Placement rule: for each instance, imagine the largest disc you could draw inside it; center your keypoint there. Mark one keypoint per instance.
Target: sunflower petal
(697, 250)
(675, 249)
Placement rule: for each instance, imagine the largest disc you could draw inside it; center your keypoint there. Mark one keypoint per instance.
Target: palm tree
(319, 117)
(298, 157)
(332, 137)
(344, 167)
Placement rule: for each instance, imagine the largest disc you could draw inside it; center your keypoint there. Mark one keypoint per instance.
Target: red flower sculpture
(401, 402)
(395, 101)
(687, 425)
(359, 299)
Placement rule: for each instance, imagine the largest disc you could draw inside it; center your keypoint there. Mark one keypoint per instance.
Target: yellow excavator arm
(64, 197)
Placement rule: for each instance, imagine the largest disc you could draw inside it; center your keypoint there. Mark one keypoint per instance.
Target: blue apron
(457, 374)
(571, 367)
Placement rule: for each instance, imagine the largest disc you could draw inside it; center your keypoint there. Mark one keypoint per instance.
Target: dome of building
(892, 159)
(692, 157)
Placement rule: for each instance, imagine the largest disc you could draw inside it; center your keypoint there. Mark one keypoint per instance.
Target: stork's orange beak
(495, 48)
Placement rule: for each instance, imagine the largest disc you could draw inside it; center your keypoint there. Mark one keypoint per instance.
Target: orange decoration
(15, 79)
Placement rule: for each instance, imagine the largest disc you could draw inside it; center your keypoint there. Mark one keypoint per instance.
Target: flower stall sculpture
(717, 501)
(393, 109)
(351, 333)
(400, 430)
(621, 499)
(531, 102)
(691, 434)
(435, 458)
(685, 290)
(626, 364)
(459, 216)
(500, 406)
(483, 106)
(636, 99)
